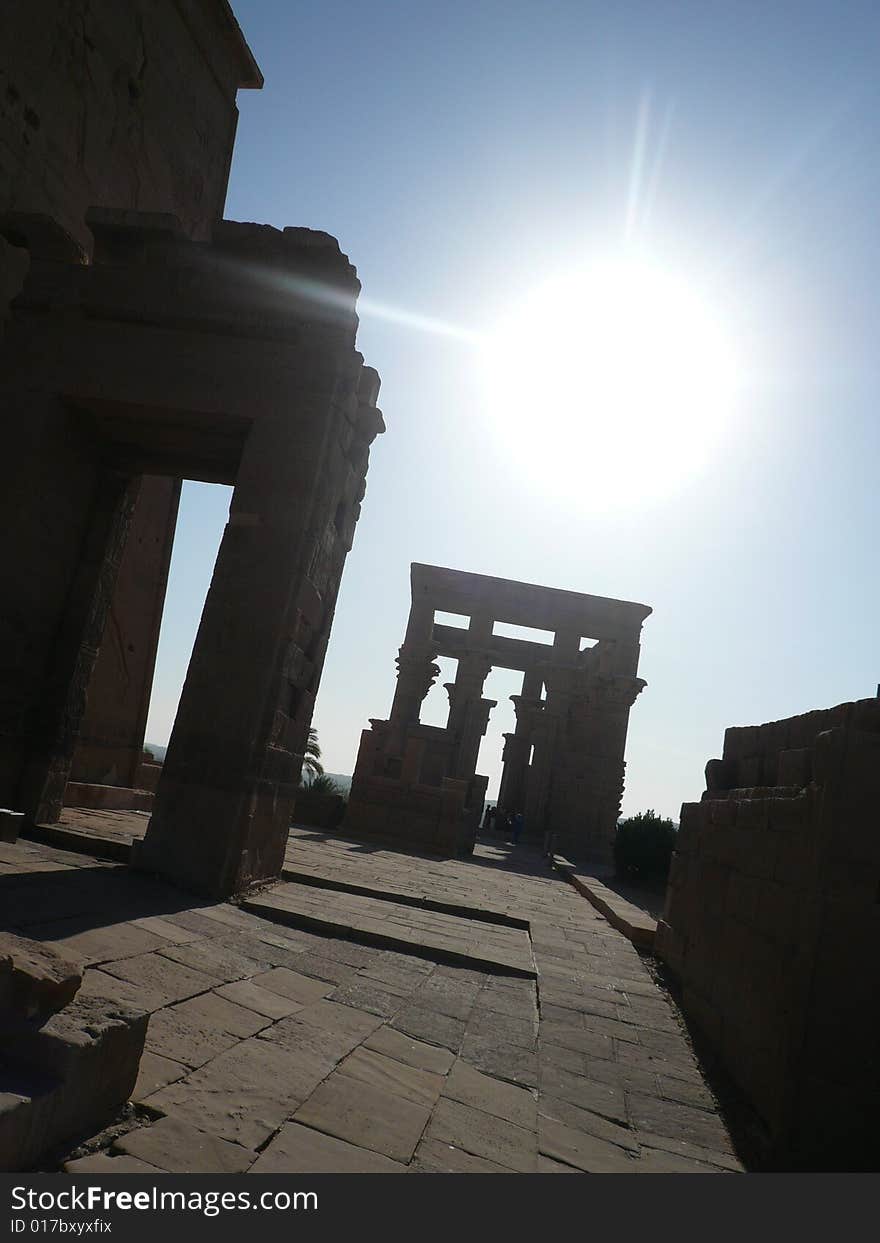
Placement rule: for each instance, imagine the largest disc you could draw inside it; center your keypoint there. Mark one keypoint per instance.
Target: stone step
(636, 925)
(82, 841)
(485, 913)
(393, 925)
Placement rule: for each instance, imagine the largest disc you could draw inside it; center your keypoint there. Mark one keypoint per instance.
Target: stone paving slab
(101, 1163)
(366, 1115)
(307, 1151)
(484, 1135)
(324, 1053)
(407, 895)
(410, 1052)
(178, 1148)
(422, 1087)
(434, 1157)
(407, 929)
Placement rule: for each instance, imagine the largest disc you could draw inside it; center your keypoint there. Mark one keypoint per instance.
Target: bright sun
(611, 385)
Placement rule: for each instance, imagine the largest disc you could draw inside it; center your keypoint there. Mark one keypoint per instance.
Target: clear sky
(467, 153)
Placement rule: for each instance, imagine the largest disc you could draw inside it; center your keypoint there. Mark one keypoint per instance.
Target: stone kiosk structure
(563, 763)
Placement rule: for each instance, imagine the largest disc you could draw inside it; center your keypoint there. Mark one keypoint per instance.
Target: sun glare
(612, 385)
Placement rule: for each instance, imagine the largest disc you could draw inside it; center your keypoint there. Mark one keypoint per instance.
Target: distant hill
(341, 780)
(158, 752)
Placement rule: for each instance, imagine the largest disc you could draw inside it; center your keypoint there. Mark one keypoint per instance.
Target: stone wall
(129, 106)
(122, 104)
(772, 928)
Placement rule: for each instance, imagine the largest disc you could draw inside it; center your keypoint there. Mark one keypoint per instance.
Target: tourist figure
(516, 826)
(489, 818)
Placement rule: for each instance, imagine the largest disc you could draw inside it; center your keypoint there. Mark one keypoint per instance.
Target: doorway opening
(202, 517)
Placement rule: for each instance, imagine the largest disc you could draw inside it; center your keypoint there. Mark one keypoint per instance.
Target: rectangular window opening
(506, 630)
(458, 620)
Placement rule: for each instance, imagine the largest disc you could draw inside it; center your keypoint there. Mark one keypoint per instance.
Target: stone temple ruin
(147, 340)
(563, 764)
(372, 1010)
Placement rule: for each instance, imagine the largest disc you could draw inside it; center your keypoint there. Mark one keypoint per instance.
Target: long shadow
(48, 905)
(358, 845)
(522, 859)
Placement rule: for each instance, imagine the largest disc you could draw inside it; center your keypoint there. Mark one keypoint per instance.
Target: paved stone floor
(382, 1012)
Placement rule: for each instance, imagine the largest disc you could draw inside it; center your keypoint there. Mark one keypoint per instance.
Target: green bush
(643, 846)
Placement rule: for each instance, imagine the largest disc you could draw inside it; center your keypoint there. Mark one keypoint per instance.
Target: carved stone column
(613, 696)
(473, 731)
(416, 674)
(558, 678)
(517, 750)
(473, 669)
(586, 796)
(468, 712)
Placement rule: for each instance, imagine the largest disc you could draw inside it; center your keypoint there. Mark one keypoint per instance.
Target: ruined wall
(772, 928)
(102, 105)
(121, 105)
(276, 400)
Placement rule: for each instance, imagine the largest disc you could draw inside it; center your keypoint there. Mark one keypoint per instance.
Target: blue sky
(464, 154)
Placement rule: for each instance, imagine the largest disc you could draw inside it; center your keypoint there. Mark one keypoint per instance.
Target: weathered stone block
(76, 1070)
(35, 980)
(11, 824)
(781, 978)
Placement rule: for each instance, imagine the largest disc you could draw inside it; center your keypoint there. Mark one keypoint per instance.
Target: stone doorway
(165, 359)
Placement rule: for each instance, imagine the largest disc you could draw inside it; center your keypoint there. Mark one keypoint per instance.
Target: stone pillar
(111, 736)
(466, 712)
(537, 790)
(612, 697)
(53, 725)
(517, 752)
(224, 801)
(558, 677)
(416, 671)
(473, 730)
(416, 674)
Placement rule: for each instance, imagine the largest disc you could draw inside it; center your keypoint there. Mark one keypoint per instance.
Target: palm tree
(311, 765)
(323, 785)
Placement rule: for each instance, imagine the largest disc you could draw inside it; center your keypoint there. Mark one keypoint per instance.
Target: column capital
(616, 691)
(416, 674)
(474, 666)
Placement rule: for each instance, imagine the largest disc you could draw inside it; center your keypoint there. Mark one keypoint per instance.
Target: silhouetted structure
(563, 764)
(772, 927)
